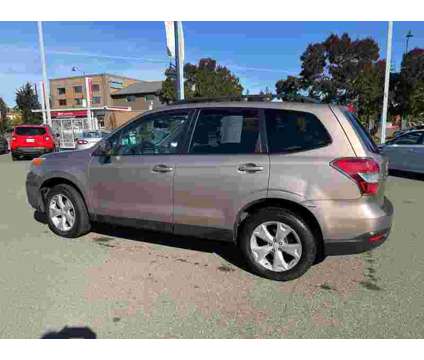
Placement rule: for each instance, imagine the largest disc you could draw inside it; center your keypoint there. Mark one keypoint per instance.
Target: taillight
(82, 142)
(13, 138)
(47, 138)
(364, 171)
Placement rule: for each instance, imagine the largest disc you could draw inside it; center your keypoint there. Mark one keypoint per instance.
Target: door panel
(210, 190)
(225, 169)
(136, 180)
(127, 187)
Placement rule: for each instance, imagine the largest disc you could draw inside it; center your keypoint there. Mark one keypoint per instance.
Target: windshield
(92, 134)
(29, 131)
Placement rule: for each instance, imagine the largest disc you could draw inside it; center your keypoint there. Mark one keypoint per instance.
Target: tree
(330, 69)
(26, 100)
(205, 80)
(288, 89)
(411, 78)
(3, 116)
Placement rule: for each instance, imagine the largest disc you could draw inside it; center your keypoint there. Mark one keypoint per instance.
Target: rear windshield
(363, 134)
(91, 134)
(30, 131)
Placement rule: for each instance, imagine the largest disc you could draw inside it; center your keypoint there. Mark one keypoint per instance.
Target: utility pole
(46, 91)
(408, 36)
(43, 103)
(179, 60)
(386, 82)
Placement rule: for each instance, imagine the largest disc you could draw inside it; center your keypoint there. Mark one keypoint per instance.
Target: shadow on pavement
(71, 333)
(228, 251)
(407, 175)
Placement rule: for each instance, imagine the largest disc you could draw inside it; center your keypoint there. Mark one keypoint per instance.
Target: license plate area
(30, 140)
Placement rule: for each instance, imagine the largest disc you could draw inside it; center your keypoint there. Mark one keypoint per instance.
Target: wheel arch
(296, 208)
(58, 180)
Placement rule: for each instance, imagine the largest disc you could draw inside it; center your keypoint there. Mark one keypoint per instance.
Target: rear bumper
(355, 246)
(31, 151)
(369, 240)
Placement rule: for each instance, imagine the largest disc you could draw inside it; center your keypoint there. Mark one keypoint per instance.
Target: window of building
(227, 132)
(61, 91)
(149, 97)
(114, 84)
(131, 98)
(78, 89)
(78, 101)
(95, 88)
(290, 131)
(62, 102)
(96, 100)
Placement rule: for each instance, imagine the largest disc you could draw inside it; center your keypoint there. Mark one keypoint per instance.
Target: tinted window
(289, 131)
(30, 131)
(156, 134)
(362, 132)
(413, 138)
(230, 131)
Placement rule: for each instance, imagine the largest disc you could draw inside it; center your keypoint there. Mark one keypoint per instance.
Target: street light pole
(386, 82)
(179, 61)
(408, 36)
(46, 89)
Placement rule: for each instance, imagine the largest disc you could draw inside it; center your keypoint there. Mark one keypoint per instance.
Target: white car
(89, 139)
(406, 152)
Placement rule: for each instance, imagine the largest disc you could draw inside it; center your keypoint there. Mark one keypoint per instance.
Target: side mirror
(103, 149)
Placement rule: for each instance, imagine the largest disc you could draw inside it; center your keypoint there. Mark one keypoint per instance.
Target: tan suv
(289, 183)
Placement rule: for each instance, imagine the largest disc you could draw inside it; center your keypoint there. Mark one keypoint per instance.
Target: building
(140, 96)
(70, 93)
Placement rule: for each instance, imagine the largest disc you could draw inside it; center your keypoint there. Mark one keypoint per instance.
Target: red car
(31, 140)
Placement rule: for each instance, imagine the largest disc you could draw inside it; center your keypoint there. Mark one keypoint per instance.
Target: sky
(259, 53)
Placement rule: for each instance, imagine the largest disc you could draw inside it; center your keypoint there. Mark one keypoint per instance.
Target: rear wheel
(14, 157)
(277, 244)
(67, 214)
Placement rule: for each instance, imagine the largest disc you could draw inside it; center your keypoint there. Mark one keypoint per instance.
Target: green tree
(205, 80)
(3, 116)
(288, 89)
(411, 79)
(26, 100)
(330, 69)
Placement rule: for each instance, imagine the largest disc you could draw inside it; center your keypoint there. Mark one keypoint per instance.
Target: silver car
(406, 152)
(88, 139)
(289, 183)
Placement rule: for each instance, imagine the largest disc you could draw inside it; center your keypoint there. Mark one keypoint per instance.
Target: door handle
(250, 168)
(161, 168)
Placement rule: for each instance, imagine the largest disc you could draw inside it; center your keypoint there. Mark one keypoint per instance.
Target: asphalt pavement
(124, 283)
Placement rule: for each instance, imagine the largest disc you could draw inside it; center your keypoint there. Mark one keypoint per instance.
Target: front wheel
(277, 244)
(67, 214)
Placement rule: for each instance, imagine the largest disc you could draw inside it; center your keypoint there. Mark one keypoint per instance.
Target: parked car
(406, 152)
(289, 183)
(4, 145)
(31, 140)
(89, 138)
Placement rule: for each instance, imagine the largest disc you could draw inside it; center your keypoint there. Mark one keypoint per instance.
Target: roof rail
(260, 97)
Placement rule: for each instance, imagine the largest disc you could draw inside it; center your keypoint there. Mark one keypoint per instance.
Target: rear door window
(30, 131)
(291, 131)
(226, 131)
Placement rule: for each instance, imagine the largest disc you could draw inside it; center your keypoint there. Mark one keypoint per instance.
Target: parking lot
(124, 283)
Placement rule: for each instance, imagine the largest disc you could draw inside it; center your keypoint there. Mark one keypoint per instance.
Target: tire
(299, 234)
(14, 157)
(81, 224)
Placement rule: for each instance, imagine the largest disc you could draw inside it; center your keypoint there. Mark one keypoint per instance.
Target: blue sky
(260, 53)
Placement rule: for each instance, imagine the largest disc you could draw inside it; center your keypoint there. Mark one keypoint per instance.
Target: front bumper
(34, 196)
